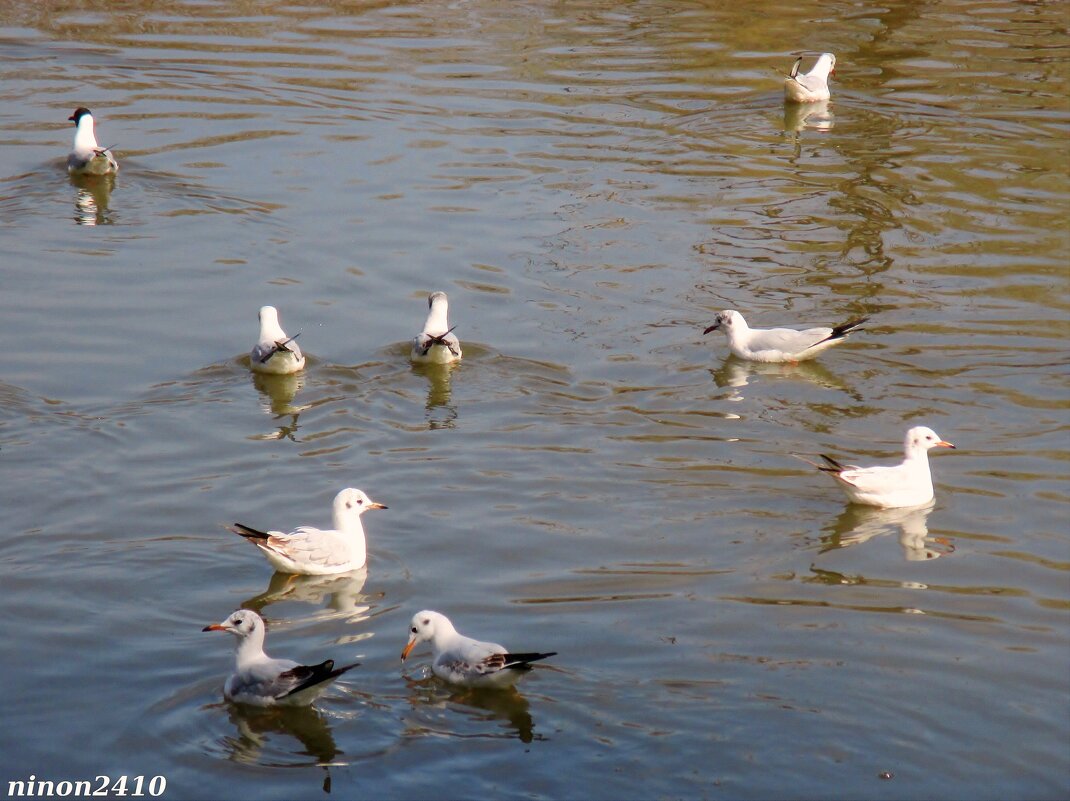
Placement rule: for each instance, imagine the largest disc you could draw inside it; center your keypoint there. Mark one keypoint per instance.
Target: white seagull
(274, 352)
(262, 681)
(778, 344)
(462, 660)
(437, 343)
(315, 552)
(812, 86)
(87, 157)
(906, 484)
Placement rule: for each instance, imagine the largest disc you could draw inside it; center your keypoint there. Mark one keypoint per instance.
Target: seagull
(275, 352)
(812, 86)
(778, 344)
(437, 342)
(906, 484)
(462, 660)
(315, 552)
(262, 681)
(87, 157)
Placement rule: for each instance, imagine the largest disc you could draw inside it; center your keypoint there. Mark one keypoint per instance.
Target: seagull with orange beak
(813, 86)
(461, 660)
(318, 552)
(889, 487)
(260, 680)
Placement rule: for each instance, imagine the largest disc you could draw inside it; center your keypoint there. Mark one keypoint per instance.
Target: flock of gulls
(456, 659)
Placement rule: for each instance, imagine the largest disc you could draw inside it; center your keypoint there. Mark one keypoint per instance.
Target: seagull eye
(360, 501)
(414, 629)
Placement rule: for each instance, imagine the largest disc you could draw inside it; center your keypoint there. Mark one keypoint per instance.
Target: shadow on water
(440, 412)
(340, 596)
(859, 524)
(736, 373)
(478, 706)
(92, 199)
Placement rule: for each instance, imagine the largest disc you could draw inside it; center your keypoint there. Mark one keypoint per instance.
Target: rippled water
(590, 182)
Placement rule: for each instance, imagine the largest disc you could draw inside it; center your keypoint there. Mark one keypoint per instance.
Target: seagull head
(728, 320)
(80, 112)
(241, 624)
(269, 324)
(921, 438)
(825, 66)
(352, 501)
(437, 297)
(425, 626)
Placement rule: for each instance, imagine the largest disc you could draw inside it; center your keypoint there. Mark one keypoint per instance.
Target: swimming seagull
(778, 344)
(87, 157)
(906, 484)
(812, 86)
(315, 552)
(436, 343)
(262, 681)
(275, 352)
(462, 660)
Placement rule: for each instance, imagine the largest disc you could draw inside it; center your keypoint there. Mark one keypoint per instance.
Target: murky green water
(590, 182)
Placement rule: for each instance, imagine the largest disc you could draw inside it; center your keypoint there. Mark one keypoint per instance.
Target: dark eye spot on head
(349, 504)
(427, 621)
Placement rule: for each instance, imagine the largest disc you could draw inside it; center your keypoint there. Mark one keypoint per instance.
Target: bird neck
(84, 138)
(250, 649)
(917, 455)
(444, 632)
(437, 324)
(271, 331)
(347, 520)
(822, 68)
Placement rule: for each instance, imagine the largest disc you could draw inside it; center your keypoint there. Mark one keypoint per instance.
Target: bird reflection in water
(92, 198)
(277, 394)
(815, 116)
(341, 595)
(439, 411)
(858, 524)
(261, 738)
(736, 373)
(504, 704)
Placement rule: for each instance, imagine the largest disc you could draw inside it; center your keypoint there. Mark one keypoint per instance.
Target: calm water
(590, 182)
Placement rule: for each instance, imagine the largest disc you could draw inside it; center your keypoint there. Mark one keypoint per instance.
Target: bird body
(436, 343)
(87, 157)
(262, 681)
(908, 483)
(813, 86)
(274, 352)
(778, 344)
(461, 660)
(315, 552)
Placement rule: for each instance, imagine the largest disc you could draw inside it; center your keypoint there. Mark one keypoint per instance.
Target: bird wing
(263, 351)
(280, 678)
(872, 479)
(473, 659)
(309, 546)
(787, 340)
(423, 342)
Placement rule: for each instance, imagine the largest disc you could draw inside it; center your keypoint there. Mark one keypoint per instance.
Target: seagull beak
(713, 327)
(408, 649)
(214, 627)
(374, 505)
(942, 444)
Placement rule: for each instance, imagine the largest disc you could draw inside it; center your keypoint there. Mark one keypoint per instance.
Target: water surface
(590, 182)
